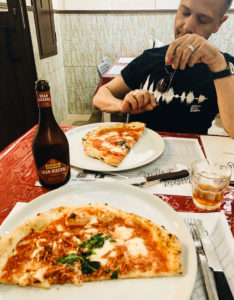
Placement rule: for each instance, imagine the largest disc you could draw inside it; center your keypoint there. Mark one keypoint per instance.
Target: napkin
(116, 70)
(219, 149)
(217, 226)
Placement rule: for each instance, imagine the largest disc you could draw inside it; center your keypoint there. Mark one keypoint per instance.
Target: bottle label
(43, 99)
(53, 172)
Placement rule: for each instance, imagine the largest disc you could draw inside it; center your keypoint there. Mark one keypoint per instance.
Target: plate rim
(108, 168)
(74, 188)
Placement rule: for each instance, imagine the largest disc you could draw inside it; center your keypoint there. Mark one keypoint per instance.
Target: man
(198, 79)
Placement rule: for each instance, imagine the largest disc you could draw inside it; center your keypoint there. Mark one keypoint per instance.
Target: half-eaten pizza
(111, 143)
(87, 243)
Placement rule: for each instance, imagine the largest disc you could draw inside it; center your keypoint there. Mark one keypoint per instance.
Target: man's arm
(179, 54)
(225, 94)
(116, 96)
(109, 96)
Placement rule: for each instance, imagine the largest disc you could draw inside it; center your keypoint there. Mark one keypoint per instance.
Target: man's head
(202, 17)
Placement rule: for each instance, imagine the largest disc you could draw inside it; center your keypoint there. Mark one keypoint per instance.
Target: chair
(104, 66)
(107, 60)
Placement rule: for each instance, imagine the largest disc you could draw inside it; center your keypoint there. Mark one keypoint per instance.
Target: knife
(223, 289)
(155, 179)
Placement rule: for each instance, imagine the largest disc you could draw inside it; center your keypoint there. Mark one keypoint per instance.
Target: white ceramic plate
(130, 199)
(149, 147)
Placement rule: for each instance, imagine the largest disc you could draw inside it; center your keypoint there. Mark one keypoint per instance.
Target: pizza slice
(87, 243)
(111, 143)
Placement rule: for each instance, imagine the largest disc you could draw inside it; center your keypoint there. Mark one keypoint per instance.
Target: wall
(87, 38)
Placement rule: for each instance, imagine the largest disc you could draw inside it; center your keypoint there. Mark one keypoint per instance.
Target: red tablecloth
(18, 177)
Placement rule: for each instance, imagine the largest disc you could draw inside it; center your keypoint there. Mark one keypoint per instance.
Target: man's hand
(191, 49)
(138, 101)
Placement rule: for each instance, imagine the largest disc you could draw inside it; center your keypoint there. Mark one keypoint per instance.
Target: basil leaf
(96, 241)
(114, 275)
(122, 143)
(69, 259)
(88, 267)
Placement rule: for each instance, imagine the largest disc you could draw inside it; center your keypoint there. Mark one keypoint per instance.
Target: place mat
(220, 235)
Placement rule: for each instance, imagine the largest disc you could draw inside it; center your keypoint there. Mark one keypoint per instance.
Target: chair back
(107, 60)
(104, 66)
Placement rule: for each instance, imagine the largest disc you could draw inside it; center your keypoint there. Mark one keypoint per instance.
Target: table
(18, 177)
(108, 76)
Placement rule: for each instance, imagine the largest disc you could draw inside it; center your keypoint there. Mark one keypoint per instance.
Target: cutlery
(208, 278)
(136, 181)
(155, 179)
(222, 286)
(104, 173)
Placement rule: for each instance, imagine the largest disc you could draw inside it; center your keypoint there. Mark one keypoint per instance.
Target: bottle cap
(42, 85)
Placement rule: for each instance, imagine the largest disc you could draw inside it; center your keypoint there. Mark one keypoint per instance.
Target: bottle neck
(45, 108)
(43, 99)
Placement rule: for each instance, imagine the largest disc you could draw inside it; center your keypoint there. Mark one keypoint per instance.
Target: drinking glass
(209, 181)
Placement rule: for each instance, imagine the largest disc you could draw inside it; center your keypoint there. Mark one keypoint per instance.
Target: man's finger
(152, 100)
(147, 107)
(140, 98)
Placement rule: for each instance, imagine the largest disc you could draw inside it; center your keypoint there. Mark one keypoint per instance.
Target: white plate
(149, 147)
(130, 199)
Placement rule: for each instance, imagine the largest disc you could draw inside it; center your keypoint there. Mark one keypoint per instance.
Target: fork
(209, 280)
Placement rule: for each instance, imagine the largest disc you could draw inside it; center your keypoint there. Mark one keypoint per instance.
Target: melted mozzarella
(93, 220)
(38, 274)
(136, 247)
(122, 233)
(91, 230)
(99, 252)
(37, 251)
(76, 239)
(127, 136)
(66, 233)
(59, 227)
(54, 245)
(113, 253)
(107, 135)
(112, 148)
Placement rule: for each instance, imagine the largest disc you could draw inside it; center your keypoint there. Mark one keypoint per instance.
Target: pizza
(87, 243)
(111, 143)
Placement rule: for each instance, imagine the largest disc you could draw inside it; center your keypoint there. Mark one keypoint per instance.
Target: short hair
(227, 5)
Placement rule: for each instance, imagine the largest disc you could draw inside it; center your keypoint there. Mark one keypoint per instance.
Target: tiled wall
(87, 38)
(84, 39)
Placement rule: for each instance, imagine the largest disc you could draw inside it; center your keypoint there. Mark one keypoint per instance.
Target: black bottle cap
(42, 86)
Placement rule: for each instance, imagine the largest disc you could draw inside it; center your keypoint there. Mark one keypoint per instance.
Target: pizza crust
(103, 155)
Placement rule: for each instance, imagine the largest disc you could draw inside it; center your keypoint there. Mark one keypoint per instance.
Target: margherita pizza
(111, 143)
(87, 243)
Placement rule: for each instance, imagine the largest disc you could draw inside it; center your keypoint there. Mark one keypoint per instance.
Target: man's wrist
(219, 65)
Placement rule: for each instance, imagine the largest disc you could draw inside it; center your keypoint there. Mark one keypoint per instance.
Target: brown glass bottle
(50, 146)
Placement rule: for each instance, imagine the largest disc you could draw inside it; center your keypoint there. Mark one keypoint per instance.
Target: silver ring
(191, 48)
(135, 92)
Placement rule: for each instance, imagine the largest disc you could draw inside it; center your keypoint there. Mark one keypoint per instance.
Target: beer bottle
(50, 146)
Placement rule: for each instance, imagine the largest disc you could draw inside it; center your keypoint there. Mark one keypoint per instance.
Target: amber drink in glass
(209, 181)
